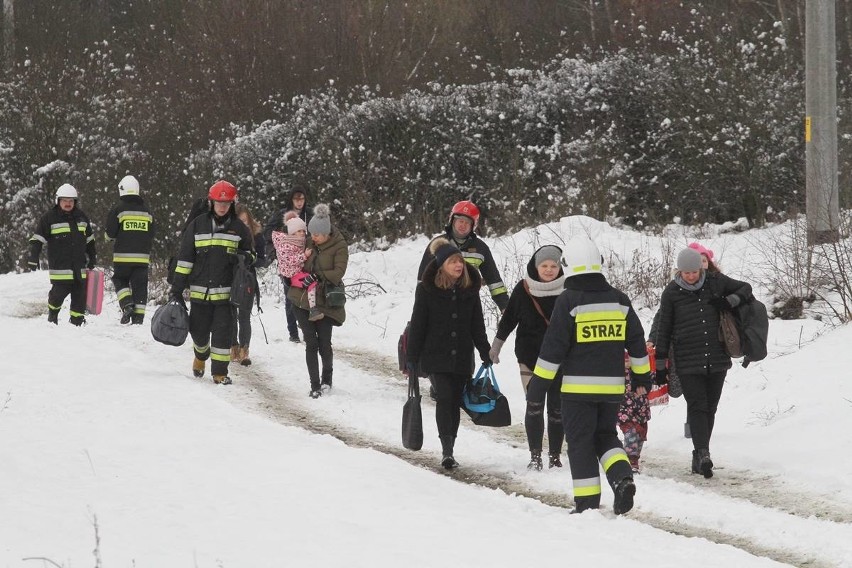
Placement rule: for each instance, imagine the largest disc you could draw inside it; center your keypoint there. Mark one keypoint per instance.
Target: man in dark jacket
(67, 232)
(131, 228)
(591, 325)
(205, 264)
(297, 202)
(460, 231)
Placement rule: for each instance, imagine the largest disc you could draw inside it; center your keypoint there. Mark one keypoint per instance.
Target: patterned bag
(729, 334)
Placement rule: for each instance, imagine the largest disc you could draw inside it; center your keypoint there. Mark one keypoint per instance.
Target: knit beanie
(320, 223)
(548, 252)
(294, 223)
(689, 260)
(702, 250)
(442, 249)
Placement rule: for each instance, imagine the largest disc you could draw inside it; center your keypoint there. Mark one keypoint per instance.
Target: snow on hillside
(112, 454)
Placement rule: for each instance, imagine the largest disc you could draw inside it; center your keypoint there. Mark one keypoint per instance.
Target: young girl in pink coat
(292, 254)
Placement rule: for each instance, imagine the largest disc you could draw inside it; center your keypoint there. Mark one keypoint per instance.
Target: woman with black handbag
(327, 265)
(529, 309)
(446, 324)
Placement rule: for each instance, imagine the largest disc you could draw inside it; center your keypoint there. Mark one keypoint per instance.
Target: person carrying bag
(446, 324)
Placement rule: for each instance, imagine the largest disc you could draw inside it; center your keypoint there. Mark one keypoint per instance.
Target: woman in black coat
(446, 325)
(529, 309)
(689, 329)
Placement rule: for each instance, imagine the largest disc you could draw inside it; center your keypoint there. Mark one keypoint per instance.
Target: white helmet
(66, 190)
(128, 186)
(582, 257)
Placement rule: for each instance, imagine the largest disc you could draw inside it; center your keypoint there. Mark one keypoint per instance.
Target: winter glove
(176, 295)
(91, 264)
(640, 380)
(728, 302)
(410, 369)
(494, 353)
(537, 389)
(486, 361)
(309, 279)
(661, 376)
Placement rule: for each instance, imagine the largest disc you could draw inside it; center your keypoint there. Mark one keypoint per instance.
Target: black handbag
(335, 294)
(170, 324)
(412, 417)
(483, 401)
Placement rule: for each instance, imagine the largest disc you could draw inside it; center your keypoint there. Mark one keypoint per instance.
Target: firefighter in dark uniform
(460, 231)
(70, 241)
(130, 225)
(591, 325)
(205, 265)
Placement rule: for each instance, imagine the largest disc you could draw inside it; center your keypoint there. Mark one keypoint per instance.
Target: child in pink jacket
(292, 254)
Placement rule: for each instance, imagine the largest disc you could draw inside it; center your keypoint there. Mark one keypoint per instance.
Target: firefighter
(67, 232)
(591, 325)
(464, 217)
(131, 228)
(205, 265)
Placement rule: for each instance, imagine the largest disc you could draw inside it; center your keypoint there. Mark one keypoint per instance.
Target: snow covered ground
(112, 454)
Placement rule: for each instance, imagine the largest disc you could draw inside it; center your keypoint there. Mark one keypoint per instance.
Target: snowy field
(113, 455)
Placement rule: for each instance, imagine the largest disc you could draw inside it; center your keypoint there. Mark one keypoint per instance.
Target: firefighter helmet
(222, 191)
(466, 209)
(582, 257)
(128, 185)
(66, 190)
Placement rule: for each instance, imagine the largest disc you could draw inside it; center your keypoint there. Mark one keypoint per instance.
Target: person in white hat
(130, 226)
(67, 232)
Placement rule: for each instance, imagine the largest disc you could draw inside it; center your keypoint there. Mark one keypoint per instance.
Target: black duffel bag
(170, 324)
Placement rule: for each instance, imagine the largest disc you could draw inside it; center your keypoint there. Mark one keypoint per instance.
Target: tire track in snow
(768, 491)
(270, 399)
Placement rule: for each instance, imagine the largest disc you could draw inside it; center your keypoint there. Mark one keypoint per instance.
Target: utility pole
(822, 201)
(7, 22)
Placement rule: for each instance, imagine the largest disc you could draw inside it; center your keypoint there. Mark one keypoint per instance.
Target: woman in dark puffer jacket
(446, 325)
(689, 328)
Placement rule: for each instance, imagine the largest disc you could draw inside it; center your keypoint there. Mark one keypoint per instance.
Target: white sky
(105, 433)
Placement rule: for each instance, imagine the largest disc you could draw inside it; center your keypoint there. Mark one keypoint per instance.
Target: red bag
(94, 291)
(659, 395)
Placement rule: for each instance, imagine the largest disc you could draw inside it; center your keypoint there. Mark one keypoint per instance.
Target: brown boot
(198, 367)
(222, 379)
(245, 360)
(235, 354)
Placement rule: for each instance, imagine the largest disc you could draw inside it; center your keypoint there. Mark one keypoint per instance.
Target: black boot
(137, 319)
(535, 460)
(705, 464)
(448, 461)
(126, 314)
(624, 492)
(53, 316)
(696, 459)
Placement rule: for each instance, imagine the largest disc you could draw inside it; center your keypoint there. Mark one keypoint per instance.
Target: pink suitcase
(94, 291)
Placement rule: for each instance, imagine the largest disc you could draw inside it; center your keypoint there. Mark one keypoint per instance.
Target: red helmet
(222, 191)
(466, 208)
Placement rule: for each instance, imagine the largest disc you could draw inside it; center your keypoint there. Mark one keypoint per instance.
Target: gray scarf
(541, 289)
(691, 287)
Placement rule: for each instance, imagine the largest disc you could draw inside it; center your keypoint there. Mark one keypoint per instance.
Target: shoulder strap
(535, 302)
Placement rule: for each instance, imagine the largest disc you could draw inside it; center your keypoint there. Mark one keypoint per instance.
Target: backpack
(244, 286)
(754, 330)
(402, 351)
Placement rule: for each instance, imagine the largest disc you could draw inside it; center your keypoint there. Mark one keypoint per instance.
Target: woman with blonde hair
(446, 325)
(241, 329)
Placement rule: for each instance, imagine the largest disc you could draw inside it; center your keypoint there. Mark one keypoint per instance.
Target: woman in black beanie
(446, 324)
